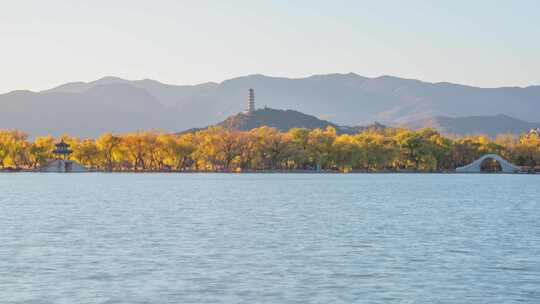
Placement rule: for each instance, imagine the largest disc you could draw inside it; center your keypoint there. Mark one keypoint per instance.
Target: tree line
(265, 148)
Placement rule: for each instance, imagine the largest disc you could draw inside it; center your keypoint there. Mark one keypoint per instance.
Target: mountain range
(119, 105)
(488, 125)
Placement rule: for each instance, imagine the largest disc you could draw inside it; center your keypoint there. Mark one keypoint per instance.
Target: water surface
(269, 238)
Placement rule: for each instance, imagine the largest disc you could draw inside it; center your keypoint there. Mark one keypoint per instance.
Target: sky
(481, 43)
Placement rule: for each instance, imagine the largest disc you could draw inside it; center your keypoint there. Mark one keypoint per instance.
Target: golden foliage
(265, 148)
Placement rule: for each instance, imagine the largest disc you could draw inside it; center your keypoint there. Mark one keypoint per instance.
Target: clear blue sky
(483, 43)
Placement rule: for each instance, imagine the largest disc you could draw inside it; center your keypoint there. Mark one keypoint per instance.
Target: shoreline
(270, 172)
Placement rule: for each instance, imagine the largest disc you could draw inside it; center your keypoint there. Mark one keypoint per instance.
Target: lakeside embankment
(11, 170)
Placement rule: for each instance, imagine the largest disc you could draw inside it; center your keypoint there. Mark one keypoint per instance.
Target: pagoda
(251, 101)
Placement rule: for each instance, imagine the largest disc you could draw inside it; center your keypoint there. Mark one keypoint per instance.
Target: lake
(269, 238)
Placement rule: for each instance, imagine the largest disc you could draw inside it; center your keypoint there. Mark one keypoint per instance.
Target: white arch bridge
(476, 166)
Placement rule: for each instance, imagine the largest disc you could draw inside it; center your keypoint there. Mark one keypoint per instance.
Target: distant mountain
(168, 95)
(489, 125)
(114, 107)
(119, 105)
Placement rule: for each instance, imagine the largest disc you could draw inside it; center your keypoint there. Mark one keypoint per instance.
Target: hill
(119, 105)
(283, 120)
(489, 125)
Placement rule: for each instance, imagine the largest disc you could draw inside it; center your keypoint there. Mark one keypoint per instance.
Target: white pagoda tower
(251, 101)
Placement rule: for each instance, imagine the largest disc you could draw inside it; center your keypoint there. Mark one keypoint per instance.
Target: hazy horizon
(482, 44)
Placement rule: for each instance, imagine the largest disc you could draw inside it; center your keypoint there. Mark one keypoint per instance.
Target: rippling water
(269, 238)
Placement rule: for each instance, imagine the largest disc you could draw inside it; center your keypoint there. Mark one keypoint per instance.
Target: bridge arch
(476, 166)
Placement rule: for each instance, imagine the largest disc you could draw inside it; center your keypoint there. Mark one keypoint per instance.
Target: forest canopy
(265, 148)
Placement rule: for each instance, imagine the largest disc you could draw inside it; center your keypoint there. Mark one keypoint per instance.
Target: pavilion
(61, 162)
